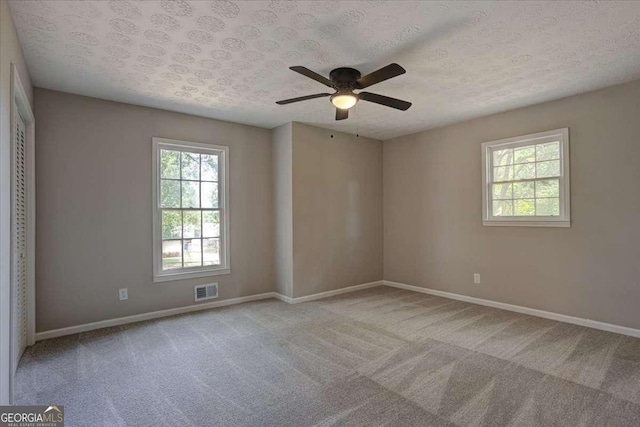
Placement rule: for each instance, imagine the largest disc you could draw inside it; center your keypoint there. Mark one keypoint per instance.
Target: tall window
(190, 200)
(526, 180)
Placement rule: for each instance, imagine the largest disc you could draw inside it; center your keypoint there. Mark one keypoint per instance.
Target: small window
(190, 210)
(526, 180)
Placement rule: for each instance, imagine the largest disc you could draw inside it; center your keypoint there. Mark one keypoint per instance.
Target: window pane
(169, 194)
(171, 254)
(502, 191)
(209, 167)
(524, 154)
(169, 164)
(209, 194)
(192, 225)
(548, 207)
(525, 171)
(548, 151)
(192, 252)
(503, 208)
(545, 169)
(190, 194)
(524, 207)
(211, 251)
(171, 224)
(190, 209)
(523, 190)
(190, 166)
(504, 173)
(211, 223)
(503, 157)
(548, 188)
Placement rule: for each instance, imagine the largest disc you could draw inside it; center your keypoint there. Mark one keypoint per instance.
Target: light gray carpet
(376, 357)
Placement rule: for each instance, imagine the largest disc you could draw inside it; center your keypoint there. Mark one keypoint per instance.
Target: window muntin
(526, 180)
(190, 218)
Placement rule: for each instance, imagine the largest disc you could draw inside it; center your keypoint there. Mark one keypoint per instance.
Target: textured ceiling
(228, 59)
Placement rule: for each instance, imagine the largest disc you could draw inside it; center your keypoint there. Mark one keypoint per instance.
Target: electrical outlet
(476, 278)
(123, 294)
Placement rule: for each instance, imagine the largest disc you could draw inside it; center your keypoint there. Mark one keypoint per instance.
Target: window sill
(562, 224)
(172, 277)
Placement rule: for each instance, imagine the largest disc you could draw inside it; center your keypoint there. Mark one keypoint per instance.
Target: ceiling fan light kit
(344, 101)
(344, 81)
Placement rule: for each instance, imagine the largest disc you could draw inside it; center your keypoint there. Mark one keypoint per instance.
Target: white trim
(283, 298)
(624, 330)
(169, 277)
(564, 219)
(492, 223)
(54, 333)
(328, 293)
(197, 307)
(223, 193)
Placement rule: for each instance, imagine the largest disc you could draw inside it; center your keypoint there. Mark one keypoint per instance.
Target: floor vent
(203, 292)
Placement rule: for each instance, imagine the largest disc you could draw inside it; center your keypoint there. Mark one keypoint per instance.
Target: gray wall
(283, 194)
(337, 210)
(324, 196)
(94, 210)
(10, 53)
(433, 235)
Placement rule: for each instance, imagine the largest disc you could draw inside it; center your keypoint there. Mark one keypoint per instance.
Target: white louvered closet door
(20, 243)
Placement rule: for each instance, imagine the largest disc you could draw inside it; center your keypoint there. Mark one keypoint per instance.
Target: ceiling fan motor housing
(344, 78)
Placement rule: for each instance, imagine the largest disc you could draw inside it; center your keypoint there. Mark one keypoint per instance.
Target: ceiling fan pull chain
(357, 121)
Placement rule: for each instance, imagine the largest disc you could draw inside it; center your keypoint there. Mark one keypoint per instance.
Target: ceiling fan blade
(312, 75)
(302, 98)
(384, 73)
(341, 114)
(385, 100)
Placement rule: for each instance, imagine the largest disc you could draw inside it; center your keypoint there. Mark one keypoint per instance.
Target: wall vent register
(205, 292)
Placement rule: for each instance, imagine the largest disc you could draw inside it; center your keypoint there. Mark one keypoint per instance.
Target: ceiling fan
(344, 81)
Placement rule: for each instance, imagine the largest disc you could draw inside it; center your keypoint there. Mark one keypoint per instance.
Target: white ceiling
(228, 60)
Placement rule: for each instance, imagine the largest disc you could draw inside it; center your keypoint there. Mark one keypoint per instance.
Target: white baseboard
(283, 298)
(624, 330)
(148, 316)
(54, 333)
(197, 307)
(329, 293)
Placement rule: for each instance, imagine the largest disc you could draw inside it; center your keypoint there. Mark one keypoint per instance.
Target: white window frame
(223, 200)
(564, 219)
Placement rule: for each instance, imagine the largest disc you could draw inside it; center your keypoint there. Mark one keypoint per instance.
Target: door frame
(20, 106)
